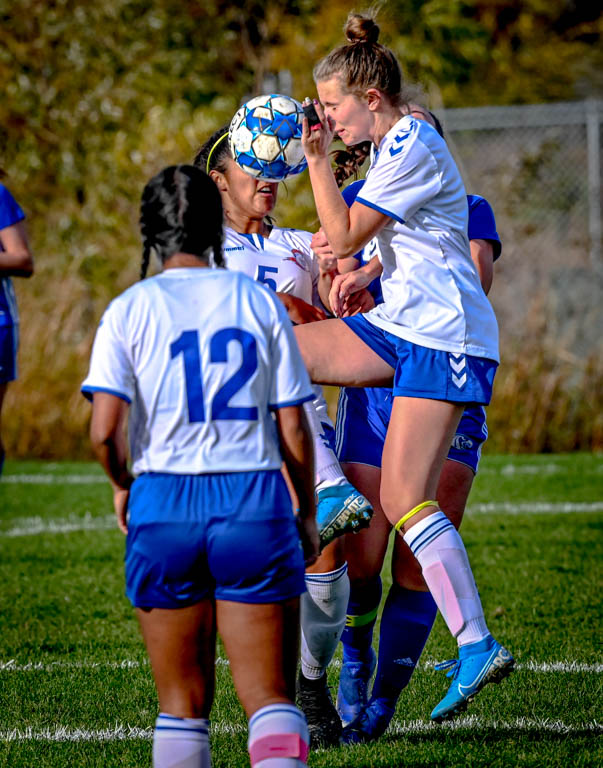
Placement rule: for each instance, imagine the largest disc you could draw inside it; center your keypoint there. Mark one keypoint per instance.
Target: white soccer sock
(438, 547)
(181, 742)
(323, 613)
(327, 467)
(279, 730)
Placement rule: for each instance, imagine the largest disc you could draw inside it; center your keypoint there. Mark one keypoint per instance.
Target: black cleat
(314, 699)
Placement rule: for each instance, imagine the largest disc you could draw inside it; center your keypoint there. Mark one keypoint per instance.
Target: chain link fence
(540, 168)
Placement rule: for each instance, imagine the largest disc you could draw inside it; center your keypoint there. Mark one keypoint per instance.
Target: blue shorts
(364, 413)
(430, 373)
(9, 341)
(228, 535)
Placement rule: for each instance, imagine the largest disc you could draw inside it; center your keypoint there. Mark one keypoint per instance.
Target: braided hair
(181, 211)
(348, 161)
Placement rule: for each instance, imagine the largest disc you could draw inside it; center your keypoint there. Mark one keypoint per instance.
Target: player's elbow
(25, 264)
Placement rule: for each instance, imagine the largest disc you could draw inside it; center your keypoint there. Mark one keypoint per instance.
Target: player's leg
(181, 647)
(365, 553)
(362, 419)
(408, 615)
(2, 451)
(340, 508)
(436, 543)
(323, 615)
(335, 354)
(9, 341)
(168, 583)
(257, 597)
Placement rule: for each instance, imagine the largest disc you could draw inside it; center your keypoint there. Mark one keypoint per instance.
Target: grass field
(76, 690)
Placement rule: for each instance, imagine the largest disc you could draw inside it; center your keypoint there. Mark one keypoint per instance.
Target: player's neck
(180, 260)
(248, 226)
(384, 122)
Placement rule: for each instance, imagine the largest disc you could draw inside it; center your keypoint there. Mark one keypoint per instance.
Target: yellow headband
(211, 151)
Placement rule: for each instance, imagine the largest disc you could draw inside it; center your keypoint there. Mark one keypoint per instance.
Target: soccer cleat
(314, 699)
(371, 723)
(341, 509)
(478, 664)
(352, 694)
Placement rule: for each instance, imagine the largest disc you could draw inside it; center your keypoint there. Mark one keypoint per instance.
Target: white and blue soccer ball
(265, 137)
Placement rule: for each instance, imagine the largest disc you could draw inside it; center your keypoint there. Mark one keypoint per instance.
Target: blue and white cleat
(478, 664)
(341, 509)
(352, 694)
(370, 724)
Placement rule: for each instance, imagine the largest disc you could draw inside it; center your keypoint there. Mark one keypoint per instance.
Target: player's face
(351, 115)
(420, 113)
(243, 196)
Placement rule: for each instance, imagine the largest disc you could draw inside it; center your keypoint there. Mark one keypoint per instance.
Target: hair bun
(361, 29)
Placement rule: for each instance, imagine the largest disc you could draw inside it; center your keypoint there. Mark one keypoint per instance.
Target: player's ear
(219, 180)
(373, 98)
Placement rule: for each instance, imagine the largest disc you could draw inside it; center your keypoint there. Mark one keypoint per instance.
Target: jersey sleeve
(402, 179)
(290, 381)
(111, 369)
(482, 224)
(10, 210)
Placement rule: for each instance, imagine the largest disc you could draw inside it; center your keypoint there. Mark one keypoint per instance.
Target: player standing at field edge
(15, 260)
(435, 334)
(199, 359)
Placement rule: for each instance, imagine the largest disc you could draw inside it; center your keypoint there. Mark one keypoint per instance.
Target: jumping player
(409, 613)
(15, 260)
(199, 359)
(435, 333)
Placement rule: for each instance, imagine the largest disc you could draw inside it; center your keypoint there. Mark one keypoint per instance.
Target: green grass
(63, 613)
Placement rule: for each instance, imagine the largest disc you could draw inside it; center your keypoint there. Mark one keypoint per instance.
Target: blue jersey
(10, 213)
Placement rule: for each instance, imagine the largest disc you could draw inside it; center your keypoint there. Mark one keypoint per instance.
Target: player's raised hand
(317, 138)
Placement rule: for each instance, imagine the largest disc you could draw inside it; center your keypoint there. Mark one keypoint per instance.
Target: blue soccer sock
(406, 622)
(357, 637)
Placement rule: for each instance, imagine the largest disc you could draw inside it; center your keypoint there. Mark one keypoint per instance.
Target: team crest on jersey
(297, 257)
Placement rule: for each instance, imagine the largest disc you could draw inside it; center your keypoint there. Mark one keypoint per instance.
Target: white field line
(470, 724)
(46, 479)
(566, 667)
(33, 526)
(536, 508)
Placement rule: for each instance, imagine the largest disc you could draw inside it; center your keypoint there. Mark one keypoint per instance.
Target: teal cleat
(352, 694)
(478, 664)
(370, 724)
(341, 509)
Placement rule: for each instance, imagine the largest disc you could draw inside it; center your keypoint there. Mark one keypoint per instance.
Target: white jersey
(283, 261)
(203, 356)
(431, 290)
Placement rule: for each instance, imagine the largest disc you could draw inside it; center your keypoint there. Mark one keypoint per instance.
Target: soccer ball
(265, 137)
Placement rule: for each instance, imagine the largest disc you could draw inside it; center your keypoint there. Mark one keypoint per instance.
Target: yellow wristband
(414, 511)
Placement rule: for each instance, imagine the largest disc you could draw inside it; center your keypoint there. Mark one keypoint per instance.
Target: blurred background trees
(97, 96)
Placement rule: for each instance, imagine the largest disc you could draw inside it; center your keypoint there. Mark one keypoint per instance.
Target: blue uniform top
(10, 213)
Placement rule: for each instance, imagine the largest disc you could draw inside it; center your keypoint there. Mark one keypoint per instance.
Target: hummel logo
(407, 662)
(459, 381)
(457, 366)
